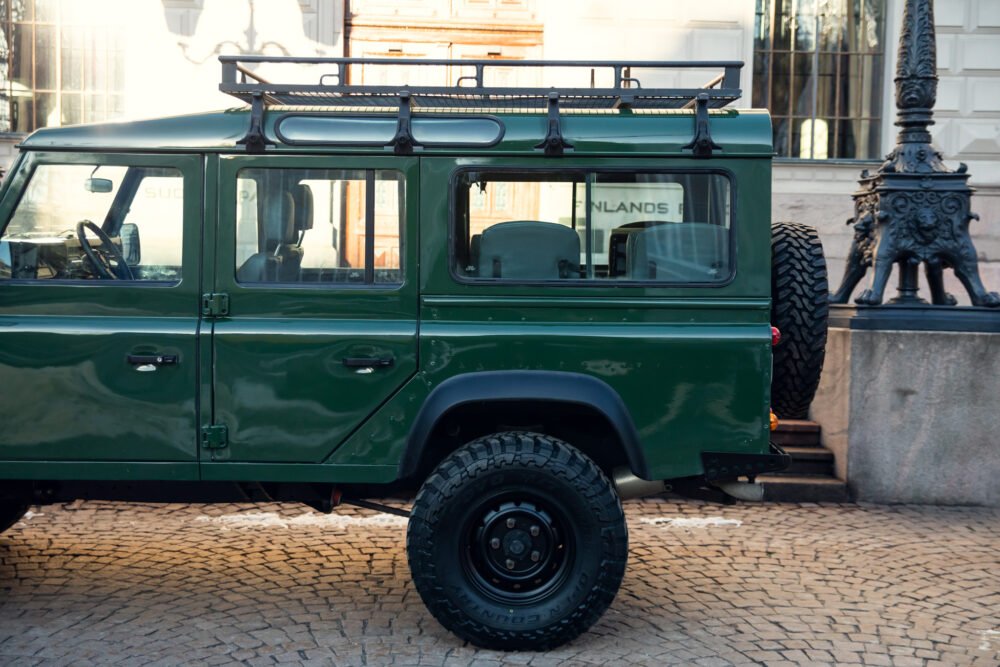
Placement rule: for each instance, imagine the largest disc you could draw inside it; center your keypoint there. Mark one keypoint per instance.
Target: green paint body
(691, 364)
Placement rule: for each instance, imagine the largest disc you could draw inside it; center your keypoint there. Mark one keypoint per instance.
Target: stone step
(796, 433)
(809, 461)
(804, 488)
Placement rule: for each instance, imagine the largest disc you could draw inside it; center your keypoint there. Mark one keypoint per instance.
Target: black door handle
(152, 359)
(368, 362)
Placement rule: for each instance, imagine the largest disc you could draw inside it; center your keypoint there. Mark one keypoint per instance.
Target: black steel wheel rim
(517, 548)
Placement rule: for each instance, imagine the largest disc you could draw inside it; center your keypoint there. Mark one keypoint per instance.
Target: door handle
(144, 363)
(368, 362)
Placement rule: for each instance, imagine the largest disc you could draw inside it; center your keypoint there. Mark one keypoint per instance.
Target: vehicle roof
(740, 133)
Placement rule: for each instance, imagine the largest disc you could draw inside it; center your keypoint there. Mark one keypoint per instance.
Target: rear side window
(608, 226)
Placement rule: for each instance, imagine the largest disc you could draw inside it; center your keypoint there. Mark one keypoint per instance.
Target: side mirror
(100, 185)
(129, 236)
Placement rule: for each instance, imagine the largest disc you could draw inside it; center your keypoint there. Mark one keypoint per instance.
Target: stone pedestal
(913, 416)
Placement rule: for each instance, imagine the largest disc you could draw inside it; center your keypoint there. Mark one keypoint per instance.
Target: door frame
(123, 300)
(389, 301)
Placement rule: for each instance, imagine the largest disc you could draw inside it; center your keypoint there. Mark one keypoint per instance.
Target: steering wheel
(103, 256)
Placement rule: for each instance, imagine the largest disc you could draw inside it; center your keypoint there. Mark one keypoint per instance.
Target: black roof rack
(470, 90)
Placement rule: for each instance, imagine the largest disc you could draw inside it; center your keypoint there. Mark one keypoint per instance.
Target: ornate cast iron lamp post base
(914, 210)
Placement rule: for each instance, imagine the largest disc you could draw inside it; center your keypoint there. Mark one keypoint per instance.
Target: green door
(99, 312)
(315, 260)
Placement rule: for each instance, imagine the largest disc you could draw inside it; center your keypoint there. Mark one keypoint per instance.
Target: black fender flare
(542, 386)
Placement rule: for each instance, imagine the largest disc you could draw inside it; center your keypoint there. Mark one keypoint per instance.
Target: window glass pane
(389, 197)
(71, 110)
(530, 227)
(761, 84)
(831, 88)
(803, 80)
(138, 209)
(804, 25)
(71, 57)
(871, 26)
(319, 226)
(22, 10)
(782, 136)
(781, 22)
(155, 224)
(832, 25)
(45, 57)
(781, 84)
(22, 37)
(661, 227)
(45, 10)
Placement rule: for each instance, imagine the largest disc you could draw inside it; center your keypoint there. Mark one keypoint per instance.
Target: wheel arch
(508, 392)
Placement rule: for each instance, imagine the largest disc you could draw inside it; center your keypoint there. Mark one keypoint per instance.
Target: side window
(93, 222)
(324, 226)
(640, 226)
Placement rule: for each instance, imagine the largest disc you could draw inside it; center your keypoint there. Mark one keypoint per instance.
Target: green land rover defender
(516, 305)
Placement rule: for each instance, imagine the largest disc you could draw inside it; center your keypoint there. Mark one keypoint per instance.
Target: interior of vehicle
(534, 226)
(92, 222)
(298, 226)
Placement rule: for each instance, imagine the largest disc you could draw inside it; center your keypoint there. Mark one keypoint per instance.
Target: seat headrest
(277, 225)
(529, 250)
(303, 196)
(686, 252)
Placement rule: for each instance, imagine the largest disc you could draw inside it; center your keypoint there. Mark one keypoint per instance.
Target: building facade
(823, 67)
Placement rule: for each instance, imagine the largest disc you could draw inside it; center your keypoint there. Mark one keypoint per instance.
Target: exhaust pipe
(629, 486)
(749, 491)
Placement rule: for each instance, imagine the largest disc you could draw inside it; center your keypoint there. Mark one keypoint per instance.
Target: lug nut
(534, 530)
(511, 523)
(495, 543)
(535, 556)
(510, 564)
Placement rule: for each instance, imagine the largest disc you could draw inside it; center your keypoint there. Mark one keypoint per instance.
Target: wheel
(799, 308)
(10, 513)
(517, 541)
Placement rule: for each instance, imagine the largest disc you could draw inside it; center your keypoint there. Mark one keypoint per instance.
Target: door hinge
(214, 304)
(215, 436)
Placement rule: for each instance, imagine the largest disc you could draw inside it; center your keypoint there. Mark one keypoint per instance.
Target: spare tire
(799, 309)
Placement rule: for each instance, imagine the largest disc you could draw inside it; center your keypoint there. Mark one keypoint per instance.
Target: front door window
(93, 222)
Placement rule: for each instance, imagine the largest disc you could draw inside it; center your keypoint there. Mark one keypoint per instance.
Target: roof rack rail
(470, 90)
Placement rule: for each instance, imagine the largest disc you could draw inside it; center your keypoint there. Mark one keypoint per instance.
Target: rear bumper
(730, 465)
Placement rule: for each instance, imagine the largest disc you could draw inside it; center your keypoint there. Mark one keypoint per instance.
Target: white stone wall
(653, 30)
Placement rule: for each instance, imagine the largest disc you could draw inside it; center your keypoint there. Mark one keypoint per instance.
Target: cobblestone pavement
(98, 583)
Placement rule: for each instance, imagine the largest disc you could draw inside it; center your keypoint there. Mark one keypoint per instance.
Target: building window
(59, 65)
(819, 67)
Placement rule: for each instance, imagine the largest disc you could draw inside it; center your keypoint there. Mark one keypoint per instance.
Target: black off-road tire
(10, 513)
(482, 505)
(799, 308)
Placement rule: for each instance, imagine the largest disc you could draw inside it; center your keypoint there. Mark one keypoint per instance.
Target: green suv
(517, 305)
